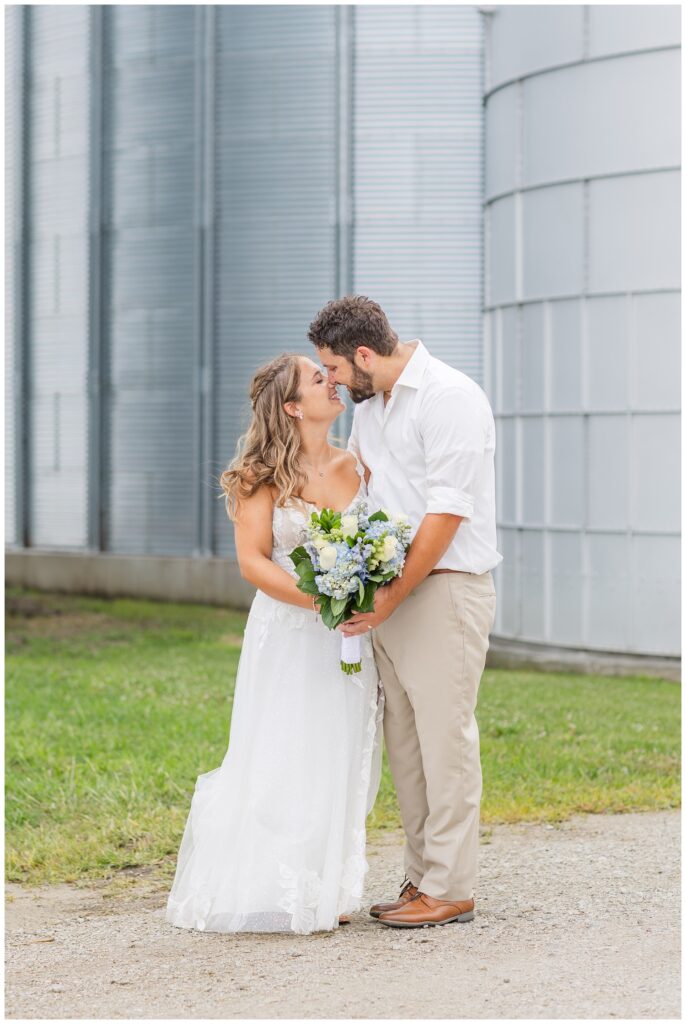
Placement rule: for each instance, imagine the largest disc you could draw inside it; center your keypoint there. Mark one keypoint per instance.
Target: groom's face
(359, 382)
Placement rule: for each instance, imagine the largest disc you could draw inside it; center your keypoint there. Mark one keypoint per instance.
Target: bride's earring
(300, 414)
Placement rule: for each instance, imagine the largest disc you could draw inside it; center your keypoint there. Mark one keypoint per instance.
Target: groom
(427, 434)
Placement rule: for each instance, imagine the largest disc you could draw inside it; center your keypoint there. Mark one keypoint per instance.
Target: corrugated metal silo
(13, 261)
(275, 136)
(49, 334)
(150, 135)
(582, 321)
(418, 162)
(190, 184)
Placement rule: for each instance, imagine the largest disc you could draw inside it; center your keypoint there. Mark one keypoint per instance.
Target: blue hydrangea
(352, 562)
(314, 555)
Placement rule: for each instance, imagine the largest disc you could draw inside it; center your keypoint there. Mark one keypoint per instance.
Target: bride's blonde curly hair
(269, 451)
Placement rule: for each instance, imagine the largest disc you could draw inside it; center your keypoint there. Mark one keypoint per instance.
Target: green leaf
(327, 616)
(338, 605)
(367, 605)
(378, 517)
(308, 587)
(304, 570)
(360, 591)
(298, 555)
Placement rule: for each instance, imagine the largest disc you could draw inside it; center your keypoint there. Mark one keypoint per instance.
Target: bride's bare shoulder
(342, 458)
(342, 455)
(347, 458)
(254, 501)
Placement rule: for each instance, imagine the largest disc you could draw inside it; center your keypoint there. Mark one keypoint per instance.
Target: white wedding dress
(275, 836)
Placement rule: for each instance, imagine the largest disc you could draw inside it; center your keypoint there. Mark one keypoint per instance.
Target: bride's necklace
(319, 471)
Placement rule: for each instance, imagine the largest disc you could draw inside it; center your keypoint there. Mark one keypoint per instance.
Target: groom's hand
(430, 543)
(384, 605)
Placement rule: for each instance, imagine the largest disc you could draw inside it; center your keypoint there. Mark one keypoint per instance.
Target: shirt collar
(413, 371)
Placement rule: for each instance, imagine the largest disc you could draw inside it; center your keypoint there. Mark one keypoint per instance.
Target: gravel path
(576, 920)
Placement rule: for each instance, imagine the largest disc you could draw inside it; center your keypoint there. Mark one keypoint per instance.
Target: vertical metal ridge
(22, 328)
(97, 323)
(210, 337)
(345, 159)
(344, 142)
(485, 364)
(205, 389)
(198, 397)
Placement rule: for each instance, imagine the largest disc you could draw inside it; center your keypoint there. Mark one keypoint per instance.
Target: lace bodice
(289, 524)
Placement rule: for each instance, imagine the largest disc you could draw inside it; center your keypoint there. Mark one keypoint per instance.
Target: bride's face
(319, 399)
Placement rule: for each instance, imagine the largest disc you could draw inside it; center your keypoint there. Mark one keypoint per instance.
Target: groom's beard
(361, 387)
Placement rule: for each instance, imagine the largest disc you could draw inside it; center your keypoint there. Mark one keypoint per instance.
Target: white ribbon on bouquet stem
(351, 651)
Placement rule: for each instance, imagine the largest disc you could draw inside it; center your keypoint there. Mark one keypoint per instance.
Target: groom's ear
(366, 357)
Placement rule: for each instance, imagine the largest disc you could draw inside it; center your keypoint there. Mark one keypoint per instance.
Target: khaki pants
(430, 654)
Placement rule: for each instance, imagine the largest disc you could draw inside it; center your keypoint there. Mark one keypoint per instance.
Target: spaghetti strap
(358, 465)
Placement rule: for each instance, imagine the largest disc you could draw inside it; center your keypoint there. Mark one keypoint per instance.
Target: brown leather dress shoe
(408, 892)
(424, 912)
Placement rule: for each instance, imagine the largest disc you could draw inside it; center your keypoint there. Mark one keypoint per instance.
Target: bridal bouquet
(344, 560)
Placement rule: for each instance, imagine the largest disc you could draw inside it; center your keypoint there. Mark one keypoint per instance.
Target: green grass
(113, 707)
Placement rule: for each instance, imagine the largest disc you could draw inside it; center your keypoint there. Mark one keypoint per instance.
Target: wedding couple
(275, 837)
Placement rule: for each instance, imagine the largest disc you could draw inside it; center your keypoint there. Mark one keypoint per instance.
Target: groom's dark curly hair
(345, 324)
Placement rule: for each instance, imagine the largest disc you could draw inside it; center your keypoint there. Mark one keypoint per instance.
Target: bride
(275, 836)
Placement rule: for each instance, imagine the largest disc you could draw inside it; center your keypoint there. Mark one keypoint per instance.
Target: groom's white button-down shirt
(431, 448)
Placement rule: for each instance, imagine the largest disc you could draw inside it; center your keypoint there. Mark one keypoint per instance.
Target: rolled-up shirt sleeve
(454, 436)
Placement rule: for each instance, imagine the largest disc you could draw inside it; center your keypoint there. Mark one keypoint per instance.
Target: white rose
(349, 526)
(390, 545)
(327, 556)
(402, 518)
(320, 542)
